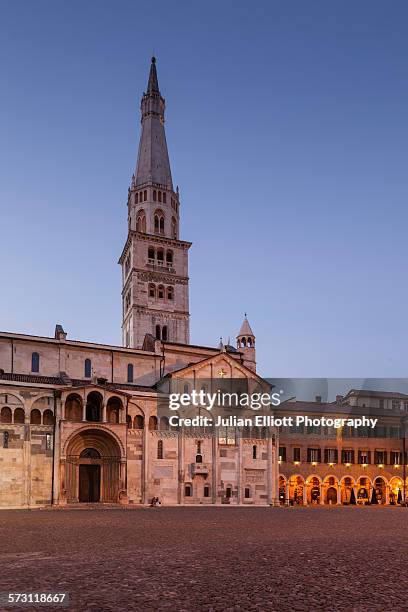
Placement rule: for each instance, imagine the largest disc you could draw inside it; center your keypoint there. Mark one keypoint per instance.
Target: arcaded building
(79, 421)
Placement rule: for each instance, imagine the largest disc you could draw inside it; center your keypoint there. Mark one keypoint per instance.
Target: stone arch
(158, 221)
(138, 422)
(330, 489)
(314, 489)
(164, 424)
(347, 485)
(93, 466)
(153, 423)
(48, 417)
(6, 415)
(297, 486)
(380, 485)
(73, 408)
(396, 486)
(113, 409)
(35, 417)
(11, 399)
(19, 415)
(141, 221)
(363, 488)
(97, 428)
(94, 401)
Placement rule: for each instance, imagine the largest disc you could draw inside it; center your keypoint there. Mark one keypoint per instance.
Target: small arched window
(160, 256)
(207, 491)
(130, 373)
(48, 417)
(35, 417)
(153, 423)
(138, 422)
(160, 292)
(152, 290)
(150, 254)
(154, 195)
(35, 362)
(164, 197)
(88, 368)
(136, 198)
(164, 423)
(158, 332)
(169, 258)
(254, 451)
(170, 294)
(145, 195)
(164, 336)
(160, 449)
(141, 221)
(188, 490)
(5, 415)
(228, 492)
(162, 225)
(159, 193)
(199, 459)
(19, 415)
(247, 493)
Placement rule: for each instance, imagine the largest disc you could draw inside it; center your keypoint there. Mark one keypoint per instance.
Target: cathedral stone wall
(25, 466)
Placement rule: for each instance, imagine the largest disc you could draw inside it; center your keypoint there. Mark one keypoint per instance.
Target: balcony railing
(200, 468)
(160, 265)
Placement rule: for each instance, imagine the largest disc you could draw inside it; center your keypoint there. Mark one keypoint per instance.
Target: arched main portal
(93, 468)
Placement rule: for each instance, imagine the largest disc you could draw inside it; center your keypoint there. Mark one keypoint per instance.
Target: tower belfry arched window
(141, 221)
(159, 222)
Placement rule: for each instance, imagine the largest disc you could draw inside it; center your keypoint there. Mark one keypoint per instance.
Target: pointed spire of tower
(154, 261)
(153, 164)
(245, 328)
(153, 83)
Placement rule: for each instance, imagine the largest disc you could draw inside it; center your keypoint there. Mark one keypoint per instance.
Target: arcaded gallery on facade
(79, 421)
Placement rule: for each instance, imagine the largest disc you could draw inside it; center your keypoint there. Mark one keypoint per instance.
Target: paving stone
(209, 559)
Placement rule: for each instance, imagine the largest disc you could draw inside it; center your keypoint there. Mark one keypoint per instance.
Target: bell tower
(155, 293)
(246, 344)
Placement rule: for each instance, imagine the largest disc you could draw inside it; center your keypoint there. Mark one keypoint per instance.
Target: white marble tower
(154, 261)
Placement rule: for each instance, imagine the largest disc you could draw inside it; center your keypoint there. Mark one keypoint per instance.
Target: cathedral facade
(79, 421)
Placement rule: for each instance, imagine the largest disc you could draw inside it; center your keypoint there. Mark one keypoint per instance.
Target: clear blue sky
(287, 125)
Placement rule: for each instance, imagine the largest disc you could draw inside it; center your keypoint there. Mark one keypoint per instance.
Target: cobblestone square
(209, 558)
